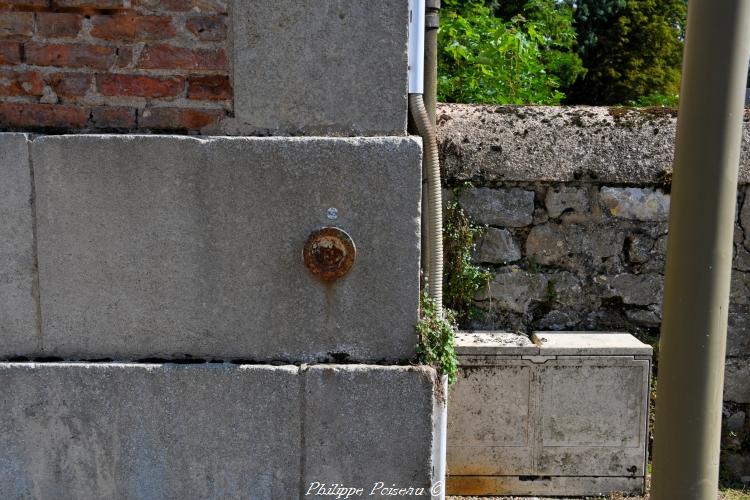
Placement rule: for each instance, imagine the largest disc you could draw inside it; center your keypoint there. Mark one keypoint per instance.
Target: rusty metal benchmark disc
(329, 253)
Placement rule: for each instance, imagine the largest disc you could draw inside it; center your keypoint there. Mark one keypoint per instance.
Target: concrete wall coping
(218, 138)
(563, 144)
(550, 344)
(494, 343)
(589, 343)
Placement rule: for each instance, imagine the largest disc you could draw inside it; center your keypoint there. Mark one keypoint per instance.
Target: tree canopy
(550, 51)
(632, 50)
(525, 58)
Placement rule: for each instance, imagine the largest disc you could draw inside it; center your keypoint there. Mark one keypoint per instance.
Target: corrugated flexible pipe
(431, 164)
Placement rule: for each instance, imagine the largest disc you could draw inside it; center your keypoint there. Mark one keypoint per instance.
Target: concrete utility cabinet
(563, 413)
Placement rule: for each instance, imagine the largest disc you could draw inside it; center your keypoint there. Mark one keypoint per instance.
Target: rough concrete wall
(575, 204)
(212, 431)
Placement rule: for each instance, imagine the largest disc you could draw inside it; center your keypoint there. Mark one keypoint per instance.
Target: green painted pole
(699, 251)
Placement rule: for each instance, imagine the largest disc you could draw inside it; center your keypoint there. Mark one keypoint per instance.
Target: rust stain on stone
(475, 485)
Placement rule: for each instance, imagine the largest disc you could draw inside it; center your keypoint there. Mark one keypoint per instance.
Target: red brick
(16, 24)
(169, 57)
(94, 4)
(130, 28)
(26, 3)
(10, 53)
(69, 84)
(26, 83)
(42, 116)
(209, 28)
(54, 25)
(209, 87)
(124, 57)
(218, 6)
(139, 86)
(74, 56)
(177, 118)
(113, 117)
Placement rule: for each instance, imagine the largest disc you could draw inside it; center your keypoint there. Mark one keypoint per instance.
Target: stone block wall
(114, 64)
(160, 333)
(574, 202)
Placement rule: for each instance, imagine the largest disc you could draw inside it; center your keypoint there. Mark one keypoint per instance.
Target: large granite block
(168, 247)
(213, 431)
(321, 68)
(146, 431)
(19, 326)
(368, 425)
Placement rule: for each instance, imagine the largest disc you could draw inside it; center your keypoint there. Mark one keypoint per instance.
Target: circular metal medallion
(329, 253)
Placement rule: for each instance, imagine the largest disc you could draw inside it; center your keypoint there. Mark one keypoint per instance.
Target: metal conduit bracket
(432, 15)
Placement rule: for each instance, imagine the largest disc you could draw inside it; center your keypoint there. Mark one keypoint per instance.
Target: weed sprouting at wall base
(436, 334)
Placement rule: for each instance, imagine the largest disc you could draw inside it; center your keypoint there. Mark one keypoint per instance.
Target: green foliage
(522, 60)
(592, 18)
(555, 20)
(632, 50)
(544, 51)
(645, 101)
(551, 292)
(437, 338)
(462, 278)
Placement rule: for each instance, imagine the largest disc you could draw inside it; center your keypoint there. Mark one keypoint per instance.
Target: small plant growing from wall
(436, 338)
(462, 278)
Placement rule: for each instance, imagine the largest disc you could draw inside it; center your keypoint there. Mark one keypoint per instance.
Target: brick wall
(113, 65)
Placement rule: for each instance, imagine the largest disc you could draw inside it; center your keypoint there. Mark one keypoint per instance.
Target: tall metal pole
(699, 251)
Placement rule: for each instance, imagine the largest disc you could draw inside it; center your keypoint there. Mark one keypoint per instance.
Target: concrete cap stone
(589, 344)
(494, 343)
